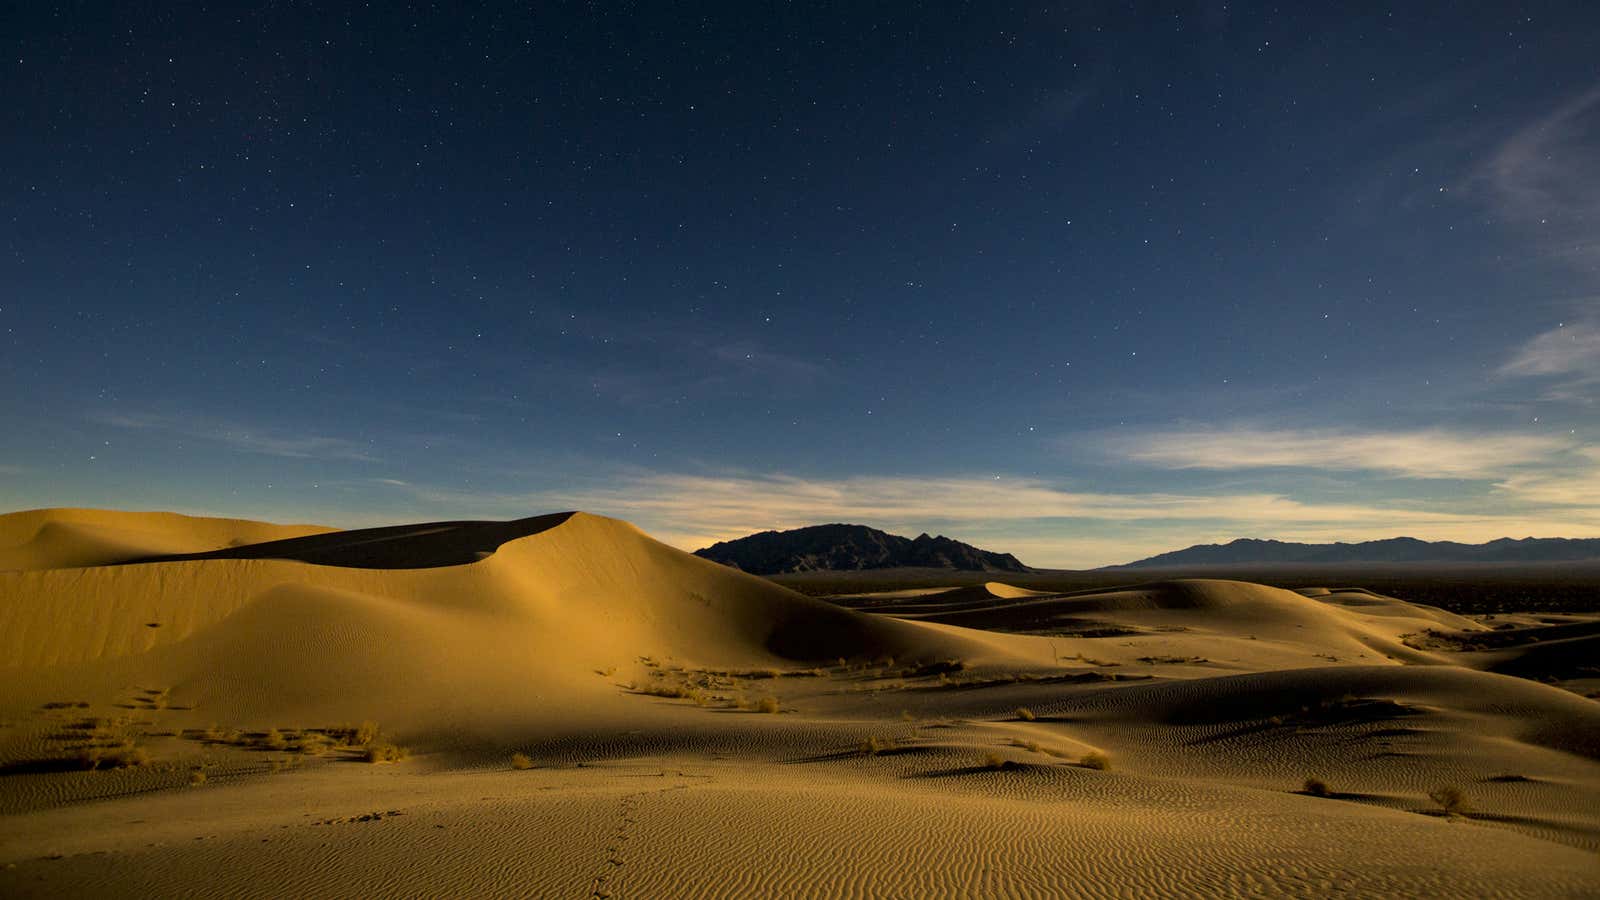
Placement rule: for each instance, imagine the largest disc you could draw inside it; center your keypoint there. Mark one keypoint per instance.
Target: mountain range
(840, 547)
(1245, 551)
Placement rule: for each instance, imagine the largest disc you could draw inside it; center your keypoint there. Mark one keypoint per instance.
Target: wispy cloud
(1054, 525)
(1546, 176)
(242, 437)
(1430, 453)
(1568, 355)
(1576, 486)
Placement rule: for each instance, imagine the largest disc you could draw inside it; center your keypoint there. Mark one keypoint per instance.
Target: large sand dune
(689, 730)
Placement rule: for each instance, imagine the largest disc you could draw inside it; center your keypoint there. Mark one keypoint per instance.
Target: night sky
(1081, 282)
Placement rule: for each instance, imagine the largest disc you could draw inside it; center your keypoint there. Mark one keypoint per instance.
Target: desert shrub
(1025, 714)
(992, 760)
(1036, 747)
(122, 756)
(273, 740)
(938, 667)
(874, 745)
(365, 733)
(521, 761)
(1451, 800)
(762, 705)
(1316, 787)
(197, 778)
(1096, 760)
(311, 743)
(383, 751)
(675, 691)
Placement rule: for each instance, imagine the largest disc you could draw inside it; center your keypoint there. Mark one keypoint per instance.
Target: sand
(687, 730)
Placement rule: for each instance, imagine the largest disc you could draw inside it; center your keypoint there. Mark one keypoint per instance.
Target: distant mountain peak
(849, 548)
(1403, 549)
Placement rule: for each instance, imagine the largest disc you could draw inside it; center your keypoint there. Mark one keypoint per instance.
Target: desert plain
(562, 706)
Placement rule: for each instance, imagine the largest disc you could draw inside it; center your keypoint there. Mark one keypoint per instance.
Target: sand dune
(690, 730)
(70, 538)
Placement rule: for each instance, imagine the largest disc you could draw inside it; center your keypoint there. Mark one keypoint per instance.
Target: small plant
(1025, 714)
(874, 745)
(384, 752)
(992, 760)
(1036, 747)
(197, 778)
(521, 761)
(1096, 760)
(1451, 800)
(366, 733)
(273, 740)
(1316, 787)
(767, 704)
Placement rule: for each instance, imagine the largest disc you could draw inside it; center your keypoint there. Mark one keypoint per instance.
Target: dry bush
(762, 705)
(383, 752)
(1025, 714)
(122, 756)
(678, 691)
(1096, 760)
(273, 740)
(521, 761)
(1316, 787)
(311, 743)
(366, 733)
(197, 778)
(992, 760)
(874, 745)
(1451, 799)
(1036, 747)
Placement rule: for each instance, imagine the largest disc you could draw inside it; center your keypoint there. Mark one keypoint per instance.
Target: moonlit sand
(564, 707)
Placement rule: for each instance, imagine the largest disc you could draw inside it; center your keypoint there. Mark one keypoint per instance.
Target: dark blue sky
(1080, 282)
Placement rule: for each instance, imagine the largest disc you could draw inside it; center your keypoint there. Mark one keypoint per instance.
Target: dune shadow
(425, 546)
(857, 753)
(1009, 765)
(42, 767)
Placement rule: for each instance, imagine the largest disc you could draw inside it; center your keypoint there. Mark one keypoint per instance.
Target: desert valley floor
(564, 707)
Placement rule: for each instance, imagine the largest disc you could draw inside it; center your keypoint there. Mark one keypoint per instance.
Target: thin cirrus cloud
(1568, 354)
(1575, 487)
(1432, 453)
(1546, 177)
(248, 439)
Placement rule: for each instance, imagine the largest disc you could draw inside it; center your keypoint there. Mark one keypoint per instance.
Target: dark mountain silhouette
(1247, 551)
(852, 548)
